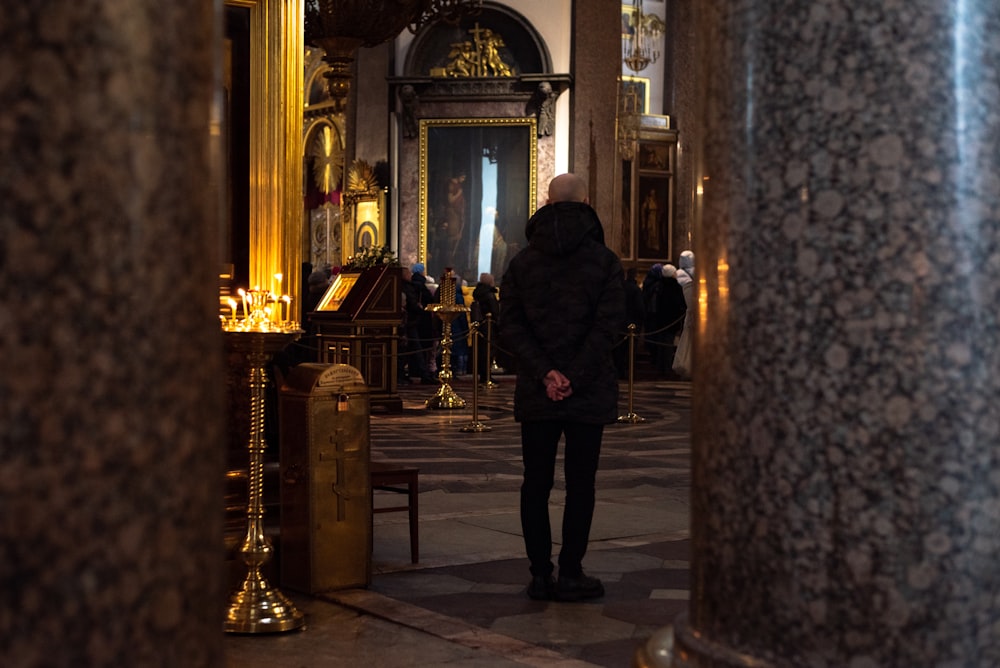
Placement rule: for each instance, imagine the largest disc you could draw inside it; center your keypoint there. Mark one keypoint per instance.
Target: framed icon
(635, 94)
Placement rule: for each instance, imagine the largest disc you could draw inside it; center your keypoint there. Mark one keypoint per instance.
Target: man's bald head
(567, 188)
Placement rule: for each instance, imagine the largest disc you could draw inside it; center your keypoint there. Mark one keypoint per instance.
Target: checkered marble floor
(639, 545)
(464, 603)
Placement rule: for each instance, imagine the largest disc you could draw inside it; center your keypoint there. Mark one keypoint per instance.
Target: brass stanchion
(489, 384)
(475, 425)
(258, 607)
(631, 417)
(447, 310)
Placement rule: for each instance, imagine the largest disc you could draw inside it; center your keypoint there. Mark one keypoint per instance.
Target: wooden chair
(387, 477)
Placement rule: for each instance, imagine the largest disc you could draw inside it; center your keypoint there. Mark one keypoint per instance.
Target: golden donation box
(326, 498)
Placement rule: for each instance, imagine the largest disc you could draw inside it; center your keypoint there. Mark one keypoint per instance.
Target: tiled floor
(464, 603)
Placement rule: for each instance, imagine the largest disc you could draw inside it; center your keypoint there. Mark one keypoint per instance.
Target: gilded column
(846, 474)
(110, 391)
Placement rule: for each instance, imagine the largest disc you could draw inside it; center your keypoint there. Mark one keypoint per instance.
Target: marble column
(111, 384)
(596, 66)
(846, 483)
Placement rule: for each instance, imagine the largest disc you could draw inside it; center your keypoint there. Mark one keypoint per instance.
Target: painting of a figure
(653, 196)
(477, 193)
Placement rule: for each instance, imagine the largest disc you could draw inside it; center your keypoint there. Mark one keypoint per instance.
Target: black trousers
(539, 443)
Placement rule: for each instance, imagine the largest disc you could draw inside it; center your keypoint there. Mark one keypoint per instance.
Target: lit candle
(288, 307)
(243, 294)
(276, 288)
(232, 312)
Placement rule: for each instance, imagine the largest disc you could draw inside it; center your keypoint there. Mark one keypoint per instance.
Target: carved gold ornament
(328, 165)
(478, 57)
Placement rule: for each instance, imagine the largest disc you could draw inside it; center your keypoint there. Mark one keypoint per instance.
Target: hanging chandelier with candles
(640, 46)
(341, 27)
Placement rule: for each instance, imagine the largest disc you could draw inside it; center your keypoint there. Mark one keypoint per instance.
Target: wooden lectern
(357, 322)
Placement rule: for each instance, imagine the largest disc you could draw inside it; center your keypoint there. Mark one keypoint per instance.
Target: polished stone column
(596, 65)
(846, 473)
(110, 391)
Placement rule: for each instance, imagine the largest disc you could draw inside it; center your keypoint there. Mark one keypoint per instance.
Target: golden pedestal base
(445, 397)
(258, 607)
(476, 427)
(261, 609)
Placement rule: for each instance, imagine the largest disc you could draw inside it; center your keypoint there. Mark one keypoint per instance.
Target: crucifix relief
(345, 458)
(478, 57)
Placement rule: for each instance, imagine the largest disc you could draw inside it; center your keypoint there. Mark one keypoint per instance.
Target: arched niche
(323, 163)
(517, 96)
(323, 144)
(523, 48)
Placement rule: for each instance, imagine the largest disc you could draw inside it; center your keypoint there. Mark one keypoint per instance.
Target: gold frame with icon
(477, 176)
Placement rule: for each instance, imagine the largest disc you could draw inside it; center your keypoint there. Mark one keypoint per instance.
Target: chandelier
(341, 27)
(639, 45)
(446, 11)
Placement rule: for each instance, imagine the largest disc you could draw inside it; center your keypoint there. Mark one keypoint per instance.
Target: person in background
(672, 309)
(318, 282)
(652, 324)
(419, 328)
(566, 381)
(685, 276)
(685, 264)
(485, 302)
(459, 334)
(634, 315)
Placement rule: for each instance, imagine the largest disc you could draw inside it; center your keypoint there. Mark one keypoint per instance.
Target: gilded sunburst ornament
(328, 164)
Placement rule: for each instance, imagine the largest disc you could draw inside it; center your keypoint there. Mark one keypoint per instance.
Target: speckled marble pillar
(110, 391)
(846, 427)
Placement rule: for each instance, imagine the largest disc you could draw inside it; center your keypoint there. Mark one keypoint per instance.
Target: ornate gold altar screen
(275, 151)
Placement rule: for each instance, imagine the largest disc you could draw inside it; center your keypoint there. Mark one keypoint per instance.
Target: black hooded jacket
(563, 307)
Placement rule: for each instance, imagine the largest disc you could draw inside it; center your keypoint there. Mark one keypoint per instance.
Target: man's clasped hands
(557, 385)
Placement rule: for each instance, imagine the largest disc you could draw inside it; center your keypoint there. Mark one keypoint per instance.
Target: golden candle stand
(447, 310)
(630, 417)
(258, 607)
(475, 426)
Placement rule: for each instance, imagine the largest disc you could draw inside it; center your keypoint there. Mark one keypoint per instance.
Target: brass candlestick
(447, 310)
(258, 607)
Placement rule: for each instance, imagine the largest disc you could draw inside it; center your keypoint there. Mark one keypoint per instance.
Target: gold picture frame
(477, 177)
(628, 21)
(636, 88)
(363, 212)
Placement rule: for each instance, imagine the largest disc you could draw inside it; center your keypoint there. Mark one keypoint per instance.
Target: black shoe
(541, 587)
(578, 589)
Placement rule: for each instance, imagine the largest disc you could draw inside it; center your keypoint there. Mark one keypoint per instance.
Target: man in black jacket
(562, 309)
